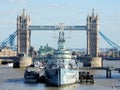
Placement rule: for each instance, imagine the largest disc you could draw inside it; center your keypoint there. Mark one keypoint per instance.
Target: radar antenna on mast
(61, 39)
(61, 33)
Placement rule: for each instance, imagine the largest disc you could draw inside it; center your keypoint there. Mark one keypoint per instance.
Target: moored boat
(33, 73)
(61, 69)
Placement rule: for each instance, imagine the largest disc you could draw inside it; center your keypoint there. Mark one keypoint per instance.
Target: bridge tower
(23, 41)
(92, 35)
(23, 33)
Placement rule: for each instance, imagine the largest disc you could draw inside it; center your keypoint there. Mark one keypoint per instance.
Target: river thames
(13, 79)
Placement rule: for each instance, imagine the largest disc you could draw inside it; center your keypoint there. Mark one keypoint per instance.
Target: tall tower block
(92, 34)
(23, 33)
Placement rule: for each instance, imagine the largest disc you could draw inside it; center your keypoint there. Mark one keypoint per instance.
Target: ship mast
(61, 40)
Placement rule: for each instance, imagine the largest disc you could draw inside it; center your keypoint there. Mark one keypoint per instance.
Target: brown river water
(13, 79)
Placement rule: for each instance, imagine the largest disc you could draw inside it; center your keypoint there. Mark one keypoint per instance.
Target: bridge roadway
(6, 60)
(10, 57)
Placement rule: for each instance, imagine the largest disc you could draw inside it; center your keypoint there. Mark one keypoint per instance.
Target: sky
(69, 12)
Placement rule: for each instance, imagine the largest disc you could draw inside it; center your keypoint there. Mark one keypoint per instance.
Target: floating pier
(85, 77)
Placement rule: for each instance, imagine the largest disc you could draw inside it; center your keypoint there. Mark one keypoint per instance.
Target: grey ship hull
(61, 76)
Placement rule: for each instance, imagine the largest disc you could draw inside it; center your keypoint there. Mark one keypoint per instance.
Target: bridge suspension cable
(8, 40)
(111, 43)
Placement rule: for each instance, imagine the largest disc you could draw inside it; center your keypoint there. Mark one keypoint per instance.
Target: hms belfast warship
(61, 69)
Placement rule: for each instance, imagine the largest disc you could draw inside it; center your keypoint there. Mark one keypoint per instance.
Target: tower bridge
(24, 32)
(24, 36)
(24, 28)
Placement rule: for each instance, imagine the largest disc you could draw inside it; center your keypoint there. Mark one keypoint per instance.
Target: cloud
(18, 1)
